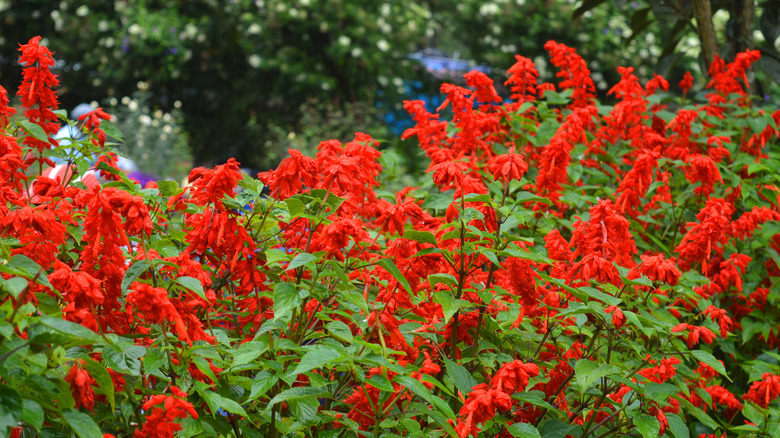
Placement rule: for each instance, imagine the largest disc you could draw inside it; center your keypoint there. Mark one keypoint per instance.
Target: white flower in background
(254, 29)
(383, 81)
(145, 120)
(489, 9)
(383, 45)
(344, 40)
(255, 60)
(82, 11)
(135, 29)
(398, 82)
(103, 25)
(305, 3)
(356, 52)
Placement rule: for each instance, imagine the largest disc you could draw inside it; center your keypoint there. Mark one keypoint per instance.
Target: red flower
(618, 319)
(695, 333)
(686, 83)
(160, 423)
(702, 169)
(574, 72)
(5, 111)
(721, 317)
(37, 94)
(481, 406)
(523, 77)
(661, 373)
(513, 376)
(656, 268)
(92, 121)
(509, 166)
(211, 185)
(153, 305)
(764, 391)
(484, 91)
(81, 386)
(292, 174)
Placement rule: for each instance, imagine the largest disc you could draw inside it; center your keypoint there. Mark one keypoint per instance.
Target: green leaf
(11, 408)
(530, 197)
(648, 425)
(753, 414)
(248, 352)
(523, 430)
(339, 331)
(82, 424)
(193, 284)
(133, 272)
(380, 382)
(677, 426)
(111, 130)
(449, 305)
(34, 129)
(390, 266)
(14, 286)
(447, 279)
(305, 410)
(660, 392)
(553, 428)
(316, 358)
(301, 259)
(535, 398)
(588, 372)
(286, 297)
(460, 376)
(262, 382)
(58, 330)
(26, 267)
(102, 378)
(233, 407)
(415, 386)
(710, 360)
(125, 359)
(420, 236)
(298, 393)
(701, 416)
(32, 414)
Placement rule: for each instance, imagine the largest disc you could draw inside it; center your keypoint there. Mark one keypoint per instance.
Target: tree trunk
(742, 15)
(702, 11)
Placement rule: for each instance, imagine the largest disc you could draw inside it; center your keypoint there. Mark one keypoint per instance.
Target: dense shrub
(568, 268)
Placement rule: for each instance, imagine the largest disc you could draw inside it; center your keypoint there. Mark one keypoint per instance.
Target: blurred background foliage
(250, 78)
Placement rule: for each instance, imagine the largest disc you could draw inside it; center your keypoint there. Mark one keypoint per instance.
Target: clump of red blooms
(582, 267)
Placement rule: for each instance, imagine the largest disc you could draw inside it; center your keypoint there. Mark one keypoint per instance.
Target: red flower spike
(513, 376)
(81, 386)
(161, 422)
(509, 166)
(523, 78)
(686, 83)
(479, 407)
(764, 391)
(618, 319)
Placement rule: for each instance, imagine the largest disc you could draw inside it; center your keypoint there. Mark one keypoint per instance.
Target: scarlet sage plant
(565, 268)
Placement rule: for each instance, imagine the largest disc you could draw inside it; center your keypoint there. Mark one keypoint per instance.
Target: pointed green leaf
(460, 376)
(248, 352)
(193, 284)
(316, 358)
(523, 430)
(82, 424)
(648, 425)
(393, 270)
(711, 361)
(301, 259)
(133, 272)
